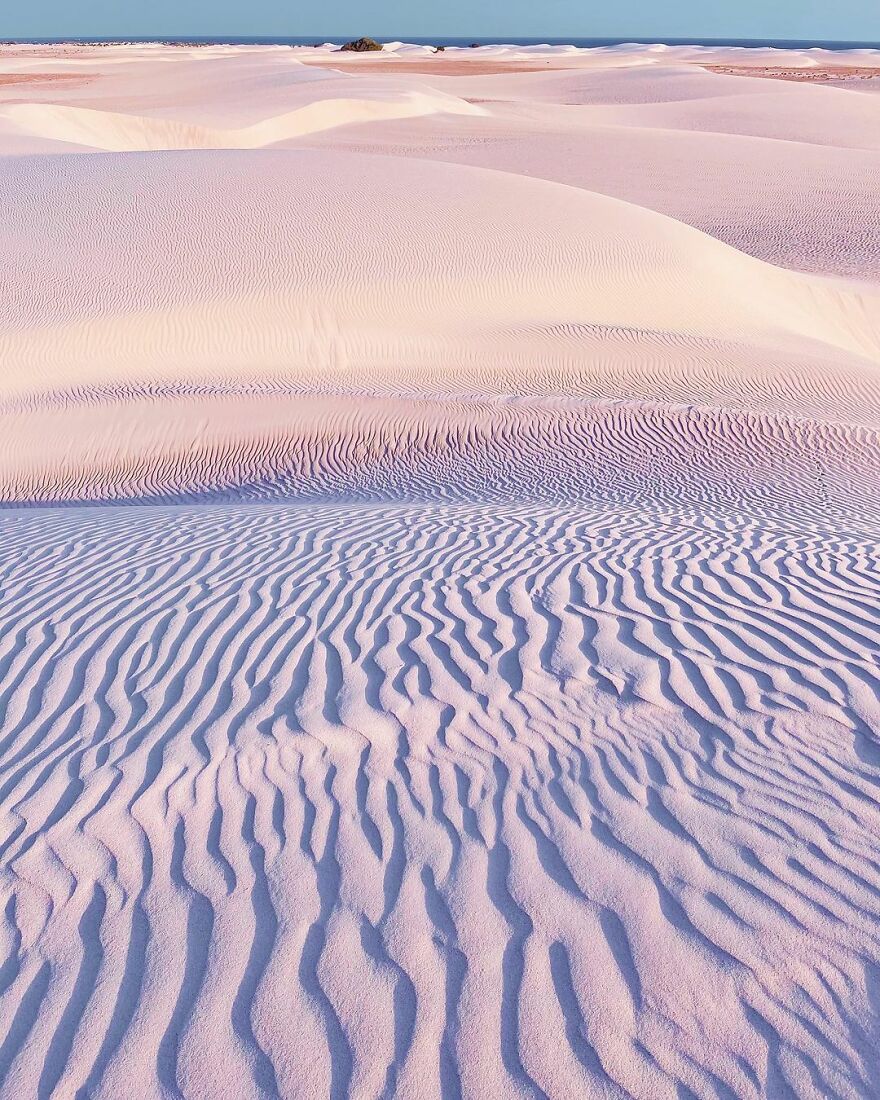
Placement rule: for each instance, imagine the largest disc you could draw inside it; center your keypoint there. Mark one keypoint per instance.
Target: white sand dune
(501, 269)
(444, 658)
(121, 133)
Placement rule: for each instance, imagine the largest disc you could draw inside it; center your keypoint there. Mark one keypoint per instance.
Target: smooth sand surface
(439, 621)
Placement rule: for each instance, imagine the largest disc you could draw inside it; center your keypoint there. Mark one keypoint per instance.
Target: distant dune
(439, 627)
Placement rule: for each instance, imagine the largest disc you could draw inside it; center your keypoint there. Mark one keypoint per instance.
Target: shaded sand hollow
(439, 620)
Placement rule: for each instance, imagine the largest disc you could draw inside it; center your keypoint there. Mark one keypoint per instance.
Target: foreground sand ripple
(268, 444)
(326, 801)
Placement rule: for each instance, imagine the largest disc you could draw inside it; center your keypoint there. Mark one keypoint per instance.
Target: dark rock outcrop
(362, 45)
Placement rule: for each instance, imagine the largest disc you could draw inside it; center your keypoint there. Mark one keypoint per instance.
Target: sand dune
(501, 268)
(123, 133)
(444, 658)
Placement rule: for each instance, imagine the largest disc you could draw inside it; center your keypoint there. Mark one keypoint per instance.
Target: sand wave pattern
(379, 800)
(267, 444)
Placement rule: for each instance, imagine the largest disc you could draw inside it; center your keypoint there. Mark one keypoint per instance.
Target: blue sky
(807, 19)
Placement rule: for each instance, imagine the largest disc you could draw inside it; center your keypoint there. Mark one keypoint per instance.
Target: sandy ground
(440, 65)
(822, 74)
(439, 627)
(437, 65)
(36, 78)
(865, 79)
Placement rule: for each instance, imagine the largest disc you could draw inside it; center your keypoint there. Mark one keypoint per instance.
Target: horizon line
(233, 38)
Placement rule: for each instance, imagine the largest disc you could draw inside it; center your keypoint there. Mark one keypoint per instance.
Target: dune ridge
(439, 632)
(321, 302)
(124, 133)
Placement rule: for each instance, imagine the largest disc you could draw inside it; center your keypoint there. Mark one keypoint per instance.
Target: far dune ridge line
(121, 132)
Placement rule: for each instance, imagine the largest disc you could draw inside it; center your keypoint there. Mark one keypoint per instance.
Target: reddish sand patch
(822, 75)
(435, 67)
(44, 78)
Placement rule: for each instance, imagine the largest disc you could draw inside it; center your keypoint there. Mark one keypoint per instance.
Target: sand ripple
(435, 802)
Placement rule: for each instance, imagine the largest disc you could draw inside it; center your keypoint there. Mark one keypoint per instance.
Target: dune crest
(280, 282)
(113, 132)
